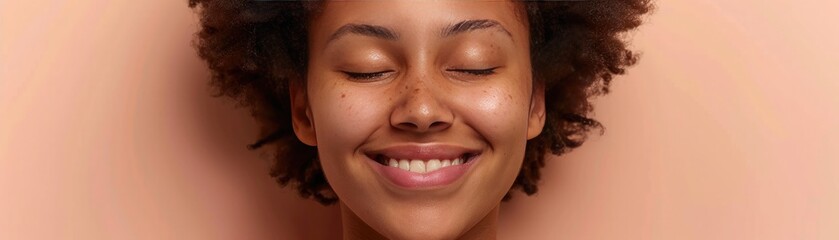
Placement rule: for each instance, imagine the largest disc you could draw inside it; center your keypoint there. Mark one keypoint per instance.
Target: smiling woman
(418, 117)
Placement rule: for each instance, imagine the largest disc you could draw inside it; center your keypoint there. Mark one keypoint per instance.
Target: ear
(301, 114)
(536, 119)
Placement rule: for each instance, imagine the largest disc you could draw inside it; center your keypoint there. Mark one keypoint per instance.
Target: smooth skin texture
(397, 72)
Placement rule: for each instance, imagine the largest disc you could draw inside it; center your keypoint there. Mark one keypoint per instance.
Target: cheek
(498, 113)
(340, 120)
(344, 118)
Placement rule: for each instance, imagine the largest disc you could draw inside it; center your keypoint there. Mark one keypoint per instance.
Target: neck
(354, 228)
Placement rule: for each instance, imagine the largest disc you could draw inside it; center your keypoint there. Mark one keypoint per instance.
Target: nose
(420, 109)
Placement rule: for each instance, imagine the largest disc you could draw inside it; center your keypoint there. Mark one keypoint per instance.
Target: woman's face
(420, 110)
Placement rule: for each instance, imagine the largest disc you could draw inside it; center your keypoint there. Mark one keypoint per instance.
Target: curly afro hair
(254, 48)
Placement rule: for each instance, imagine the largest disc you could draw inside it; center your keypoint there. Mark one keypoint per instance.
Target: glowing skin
(423, 95)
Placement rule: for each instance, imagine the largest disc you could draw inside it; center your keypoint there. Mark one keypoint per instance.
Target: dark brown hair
(254, 48)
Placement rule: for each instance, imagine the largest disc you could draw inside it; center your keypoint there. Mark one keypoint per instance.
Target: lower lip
(411, 180)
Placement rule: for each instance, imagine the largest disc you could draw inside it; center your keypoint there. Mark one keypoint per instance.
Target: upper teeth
(420, 166)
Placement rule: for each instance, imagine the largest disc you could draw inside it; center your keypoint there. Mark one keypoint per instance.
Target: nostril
(407, 126)
(435, 126)
(438, 125)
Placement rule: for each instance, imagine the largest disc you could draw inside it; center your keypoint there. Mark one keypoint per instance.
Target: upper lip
(426, 151)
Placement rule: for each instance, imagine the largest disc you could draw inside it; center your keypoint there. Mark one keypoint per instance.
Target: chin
(420, 228)
(426, 220)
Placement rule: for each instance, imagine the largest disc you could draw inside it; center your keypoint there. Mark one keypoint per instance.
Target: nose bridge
(418, 86)
(421, 107)
(420, 97)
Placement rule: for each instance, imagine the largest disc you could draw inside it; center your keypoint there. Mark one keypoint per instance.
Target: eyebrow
(388, 34)
(365, 30)
(472, 25)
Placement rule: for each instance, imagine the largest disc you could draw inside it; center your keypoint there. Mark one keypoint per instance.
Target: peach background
(727, 129)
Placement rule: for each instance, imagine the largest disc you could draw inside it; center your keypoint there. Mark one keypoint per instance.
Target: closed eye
(476, 72)
(366, 75)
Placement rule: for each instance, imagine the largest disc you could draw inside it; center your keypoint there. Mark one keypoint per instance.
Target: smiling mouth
(422, 165)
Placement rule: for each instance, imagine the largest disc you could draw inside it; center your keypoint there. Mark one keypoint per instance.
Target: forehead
(415, 18)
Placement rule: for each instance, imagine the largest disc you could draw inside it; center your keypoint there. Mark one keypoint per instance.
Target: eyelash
(476, 72)
(372, 75)
(365, 75)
